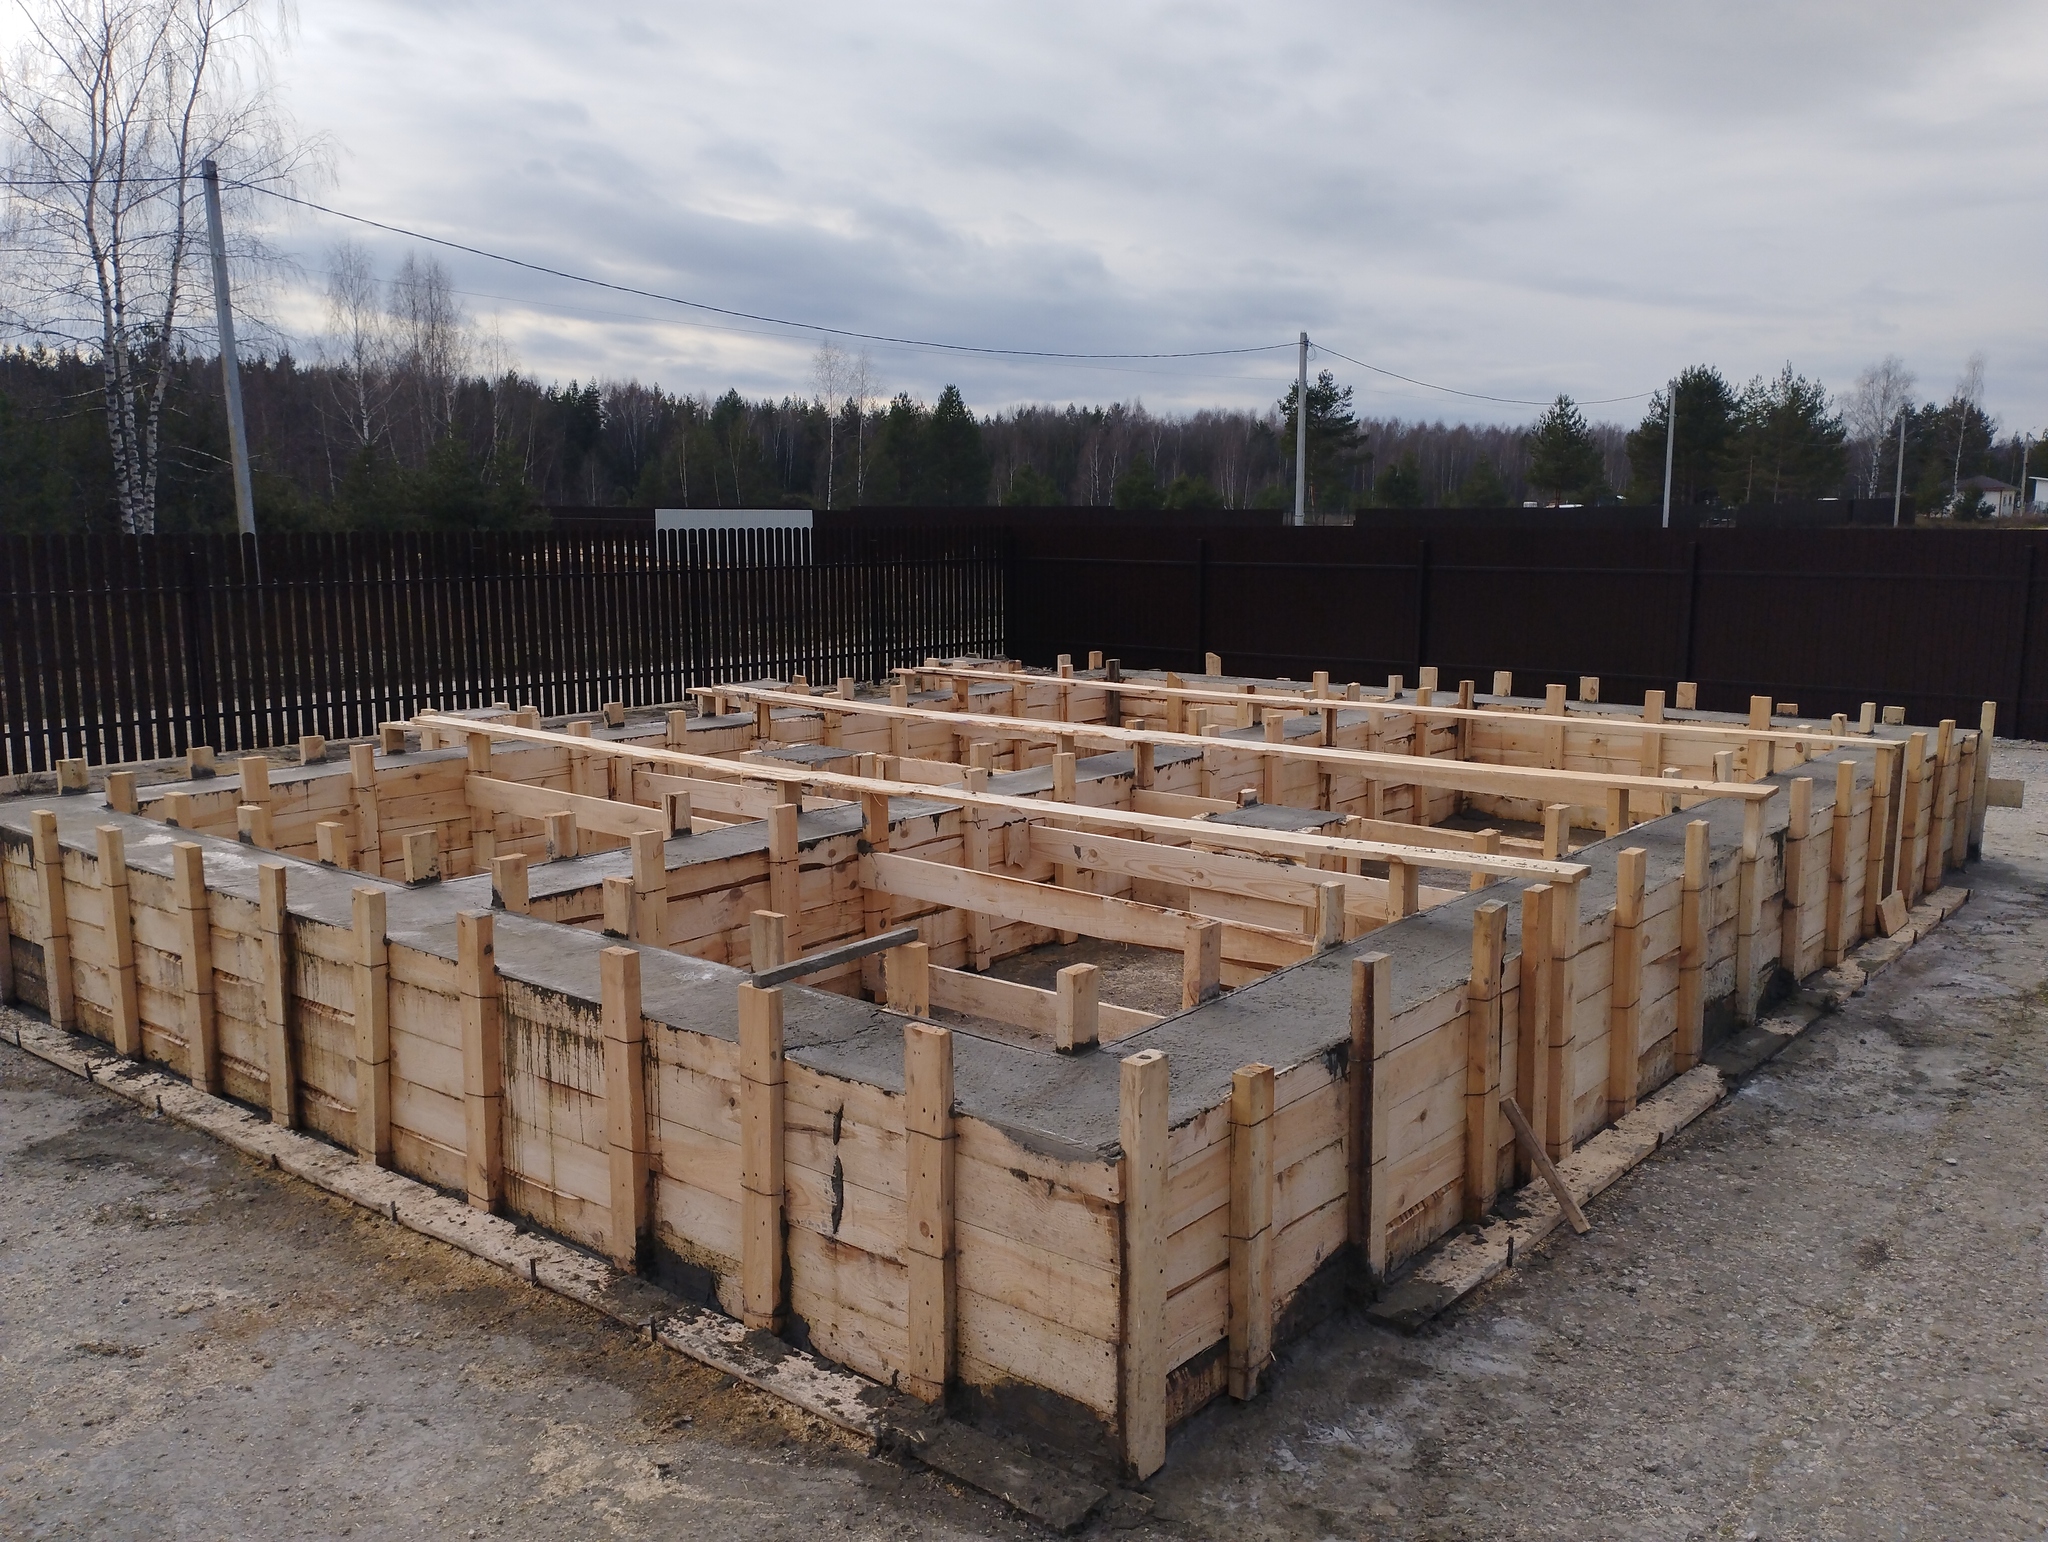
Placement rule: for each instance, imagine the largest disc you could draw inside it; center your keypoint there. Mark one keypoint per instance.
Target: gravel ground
(1817, 1314)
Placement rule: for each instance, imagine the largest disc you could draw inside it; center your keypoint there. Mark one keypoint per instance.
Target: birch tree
(1871, 413)
(108, 108)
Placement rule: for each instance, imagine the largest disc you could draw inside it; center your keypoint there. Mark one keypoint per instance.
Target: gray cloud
(1512, 199)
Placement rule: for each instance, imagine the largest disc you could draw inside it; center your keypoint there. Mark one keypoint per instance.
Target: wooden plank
(483, 1065)
(195, 955)
(1369, 1109)
(630, 1231)
(761, 1157)
(276, 952)
(1095, 915)
(1143, 1126)
(929, 1251)
(1692, 951)
(126, 1012)
(1024, 1006)
(1251, 1228)
(1532, 1063)
(1482, 1057)
(1624, 1000)
(1226, 873)
(1562, 1017)
(489, 795)
(372, 981)
(58, 976)
(1835, 923)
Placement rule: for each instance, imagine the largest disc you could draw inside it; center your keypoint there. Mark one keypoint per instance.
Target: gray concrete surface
(1817, 1314)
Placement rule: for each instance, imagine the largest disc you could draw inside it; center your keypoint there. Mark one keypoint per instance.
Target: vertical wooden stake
(1557, 831)
(483, 1058)
(1835, 926)
(784, 896)
(1532, 1085)
(1987, 721)
(373, 1027)
(1142, 1120)
(1482, 1058)
(252, 826)
(650, 888)
(1692, 950)
(369, 835)
(1201, 971)
(120, 933)
(761, 1187)
(1563, 1016)
(195, 959)
(1792, 913)
(975, 848)
(874, 902)
(1881, 836)
(1941, 806)
(1503, 682)
(511, 884)
(1250, 1228)
(1553, 736)
(907, 973)
(483, 824)
(625, 1107)
(1749, 904)
(254, 771)
(1617, 810)
(58, 978)
(1914, 799)
(422, 857)
(768, 940)
(616, 915)
(1687, 698)
(1368, 1112)
(1077, 1009)
(332, 846)
(1961, 798)
(121, 791)
(1329, 915)
(1212, 664)
(559, 830)
(1625, 997)
(275, 940)
(928, 1249)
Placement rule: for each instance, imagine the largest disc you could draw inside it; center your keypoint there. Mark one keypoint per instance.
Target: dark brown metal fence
(1935, 621)
(124, 649)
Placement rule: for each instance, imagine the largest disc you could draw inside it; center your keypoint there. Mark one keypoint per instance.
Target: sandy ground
(1817, 1314)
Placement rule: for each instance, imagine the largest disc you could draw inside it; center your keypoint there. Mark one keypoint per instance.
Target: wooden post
(1503, 682)
(195, 963)
(483, 1059)
(1482, 1058)
(650, 888)
(1212, 664)
(1563, 1018)
(1589, 688)
(1329, 915)
(676, 731)
(1077, 1009)
(391, 738)
(874, 902)
(783, 895)
(252, 826)
(1878, 846)
(1557, 831)
(1141, 764)
(975, 849)
(761, 1243)
(1692, 950)
(1791, 916)
(558, 829)
(254, 770)
(1532, 1086)
(1625, 997)
(362, 776)
(928, 1249)
(1913, 812)
(1987, 721)
(1553, 736)
(1270, 766)
(1404, 889)
(422, 857)
(1368, 1112)
(120, 935)
(373, 1027)
(1749, 904)
(767, 945)
(6, 947)
(1142, 1123)
(275, 947)
(907, 973)
(312, 749)
(483, 824)
(58, 979)
(1941, 806)
(1962, 798)
(616, 912)
(332, 846)
(1688, 696)
(1201, 970)
(1835, 926)
(121, 791)
(73, 777)
(625, 1107)
(1250, 1228)
(1617, 810)
(510, 884)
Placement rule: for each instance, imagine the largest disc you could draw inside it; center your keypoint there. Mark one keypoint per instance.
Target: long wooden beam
(1281, 843)
(1519, 716)
(1533, 782)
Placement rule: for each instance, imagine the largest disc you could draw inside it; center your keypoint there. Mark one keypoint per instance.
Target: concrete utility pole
(1301, 436)
(231, 374)
(1899, 471)
(1670, 446)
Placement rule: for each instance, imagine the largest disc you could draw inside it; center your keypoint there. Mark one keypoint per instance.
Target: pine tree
(1563, 460)
(956, 463)
(1334, 442)
(1706, 418)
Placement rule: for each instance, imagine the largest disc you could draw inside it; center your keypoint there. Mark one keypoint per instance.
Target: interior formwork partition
(557, 972)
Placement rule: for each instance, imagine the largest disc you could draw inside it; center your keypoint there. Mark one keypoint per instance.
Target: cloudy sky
(1506, 198)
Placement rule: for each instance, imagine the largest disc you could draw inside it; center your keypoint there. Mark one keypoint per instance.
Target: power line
(1510, 401)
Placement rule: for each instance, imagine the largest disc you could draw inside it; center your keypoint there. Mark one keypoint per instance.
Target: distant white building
(2001, 498)
(2039, 502)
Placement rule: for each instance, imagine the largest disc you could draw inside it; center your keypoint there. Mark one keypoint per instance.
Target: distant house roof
(1989, 485)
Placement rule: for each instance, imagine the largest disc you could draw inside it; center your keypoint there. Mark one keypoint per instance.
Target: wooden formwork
(527, 967)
